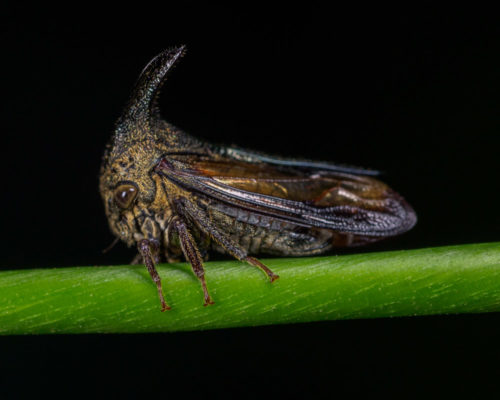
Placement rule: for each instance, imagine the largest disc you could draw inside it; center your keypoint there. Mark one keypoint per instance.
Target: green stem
(458, 279)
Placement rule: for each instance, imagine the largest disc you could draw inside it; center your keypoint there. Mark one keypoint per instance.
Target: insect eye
(125, 195)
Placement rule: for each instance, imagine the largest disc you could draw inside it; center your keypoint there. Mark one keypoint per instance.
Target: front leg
(138, 259)
(149, 251)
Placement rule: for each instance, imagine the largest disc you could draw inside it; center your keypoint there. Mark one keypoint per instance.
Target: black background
(412, 92)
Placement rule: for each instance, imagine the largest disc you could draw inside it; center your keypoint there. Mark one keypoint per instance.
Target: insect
(171, 194)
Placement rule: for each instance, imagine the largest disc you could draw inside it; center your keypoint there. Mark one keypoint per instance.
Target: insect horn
(142, 106)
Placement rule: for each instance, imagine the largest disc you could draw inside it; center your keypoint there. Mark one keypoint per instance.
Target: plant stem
(458, 279)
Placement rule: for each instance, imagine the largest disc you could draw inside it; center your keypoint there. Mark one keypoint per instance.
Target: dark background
(412, 92)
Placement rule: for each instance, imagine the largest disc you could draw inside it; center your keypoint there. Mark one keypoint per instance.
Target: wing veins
(343, 218)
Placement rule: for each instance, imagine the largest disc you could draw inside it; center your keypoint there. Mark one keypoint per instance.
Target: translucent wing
(306, 194)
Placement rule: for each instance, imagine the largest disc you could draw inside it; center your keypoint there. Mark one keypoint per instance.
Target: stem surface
(457, 279)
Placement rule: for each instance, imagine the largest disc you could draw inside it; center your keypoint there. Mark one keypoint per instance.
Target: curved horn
(142, 106)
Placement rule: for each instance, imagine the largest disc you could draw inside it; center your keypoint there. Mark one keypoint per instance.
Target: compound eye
(125, 195)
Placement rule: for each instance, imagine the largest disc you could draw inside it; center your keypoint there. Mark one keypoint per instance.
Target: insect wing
(307, 196)
(250, 156)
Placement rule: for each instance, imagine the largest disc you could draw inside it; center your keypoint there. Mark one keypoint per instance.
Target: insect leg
(192, 254)
(145, 247)
(138, 259)
(223, 240)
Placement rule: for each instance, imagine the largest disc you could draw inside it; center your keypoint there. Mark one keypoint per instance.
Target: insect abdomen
(257, 233)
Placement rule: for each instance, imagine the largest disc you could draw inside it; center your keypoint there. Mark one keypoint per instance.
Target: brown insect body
(171, 194)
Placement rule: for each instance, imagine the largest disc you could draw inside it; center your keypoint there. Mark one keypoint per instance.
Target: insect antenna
(113, 244)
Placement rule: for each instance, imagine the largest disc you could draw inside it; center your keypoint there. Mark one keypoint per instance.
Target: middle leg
(192, 254)
(207, 226)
